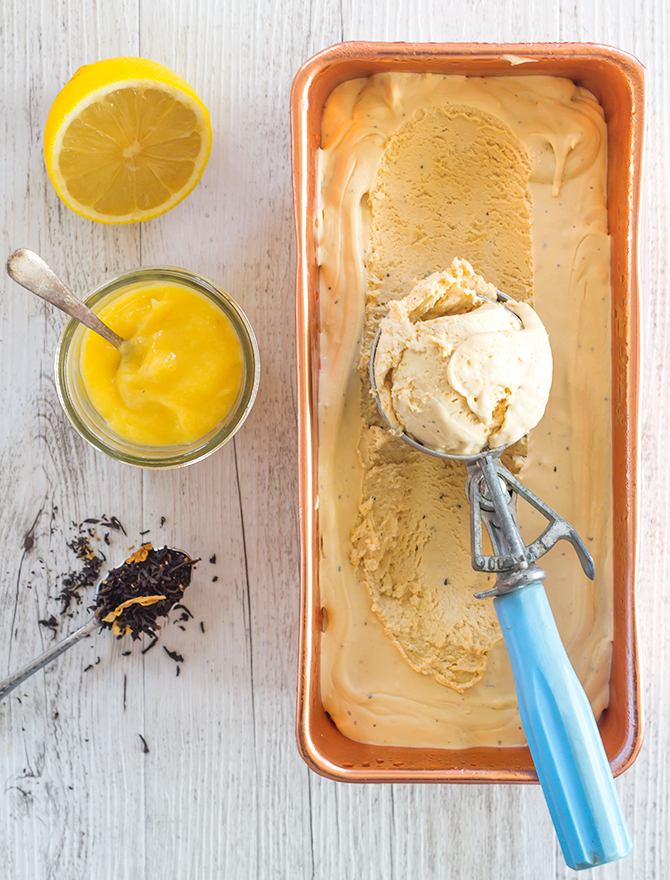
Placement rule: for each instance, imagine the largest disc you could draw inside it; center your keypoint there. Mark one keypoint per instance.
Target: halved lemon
(126, 140)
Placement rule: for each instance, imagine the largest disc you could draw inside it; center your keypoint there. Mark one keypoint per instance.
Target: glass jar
(92, 426)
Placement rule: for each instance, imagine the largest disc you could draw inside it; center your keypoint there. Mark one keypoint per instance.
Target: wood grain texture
(222, 792)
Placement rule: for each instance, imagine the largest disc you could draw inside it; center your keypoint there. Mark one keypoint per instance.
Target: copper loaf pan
(617, 80)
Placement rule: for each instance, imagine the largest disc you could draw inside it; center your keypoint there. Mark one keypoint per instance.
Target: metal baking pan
(617, 80)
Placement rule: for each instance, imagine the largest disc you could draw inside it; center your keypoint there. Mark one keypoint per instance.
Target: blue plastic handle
(562, 734)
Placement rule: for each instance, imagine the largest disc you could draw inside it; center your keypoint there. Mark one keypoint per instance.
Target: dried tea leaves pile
(147, 586)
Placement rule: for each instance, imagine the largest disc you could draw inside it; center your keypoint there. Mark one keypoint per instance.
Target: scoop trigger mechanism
(492, 491)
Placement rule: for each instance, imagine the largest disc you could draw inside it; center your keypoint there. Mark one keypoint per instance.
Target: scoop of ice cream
(458, 374)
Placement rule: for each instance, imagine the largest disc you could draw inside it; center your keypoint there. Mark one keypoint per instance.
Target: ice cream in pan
(417, 170)
(508, 173)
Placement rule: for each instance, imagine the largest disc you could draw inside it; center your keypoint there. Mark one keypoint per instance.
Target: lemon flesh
(120, 151)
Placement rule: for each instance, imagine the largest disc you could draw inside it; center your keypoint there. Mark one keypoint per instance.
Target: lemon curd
(178, 377)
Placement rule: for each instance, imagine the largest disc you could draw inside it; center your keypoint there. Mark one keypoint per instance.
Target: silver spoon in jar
(30, 271)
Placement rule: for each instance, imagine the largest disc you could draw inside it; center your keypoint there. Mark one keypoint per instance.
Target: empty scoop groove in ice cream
(456, 370)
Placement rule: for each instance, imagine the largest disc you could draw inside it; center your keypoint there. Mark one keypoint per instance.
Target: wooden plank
(201, 797)
(645, 788)
(236, 228)
(70, 750)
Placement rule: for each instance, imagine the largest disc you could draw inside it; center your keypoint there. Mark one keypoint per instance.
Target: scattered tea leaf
(114, 523)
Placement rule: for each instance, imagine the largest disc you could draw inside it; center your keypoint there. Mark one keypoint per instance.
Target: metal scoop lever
(499, 516)
(557, 718)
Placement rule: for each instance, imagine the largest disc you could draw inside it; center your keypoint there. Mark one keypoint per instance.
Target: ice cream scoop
(558, 721)
(460, 366)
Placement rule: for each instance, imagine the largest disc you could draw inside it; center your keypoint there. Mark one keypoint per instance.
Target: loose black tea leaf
(114, 523)
(147, 586)
(111, 522)
(126, 653)
(183, 608)
(177, 673)
(212, 559)
(152, 644)
(86, 668)
(174, 655)
(162, 521)
(145, 747)
(50, 623)
(202, 626)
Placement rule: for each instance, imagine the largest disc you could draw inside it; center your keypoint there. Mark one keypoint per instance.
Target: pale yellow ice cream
(510, 174)
(457, 370)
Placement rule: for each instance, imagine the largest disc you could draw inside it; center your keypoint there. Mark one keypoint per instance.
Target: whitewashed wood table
(222, 793)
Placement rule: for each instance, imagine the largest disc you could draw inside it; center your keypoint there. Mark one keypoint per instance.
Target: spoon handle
(8, 684)
(30, 271)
